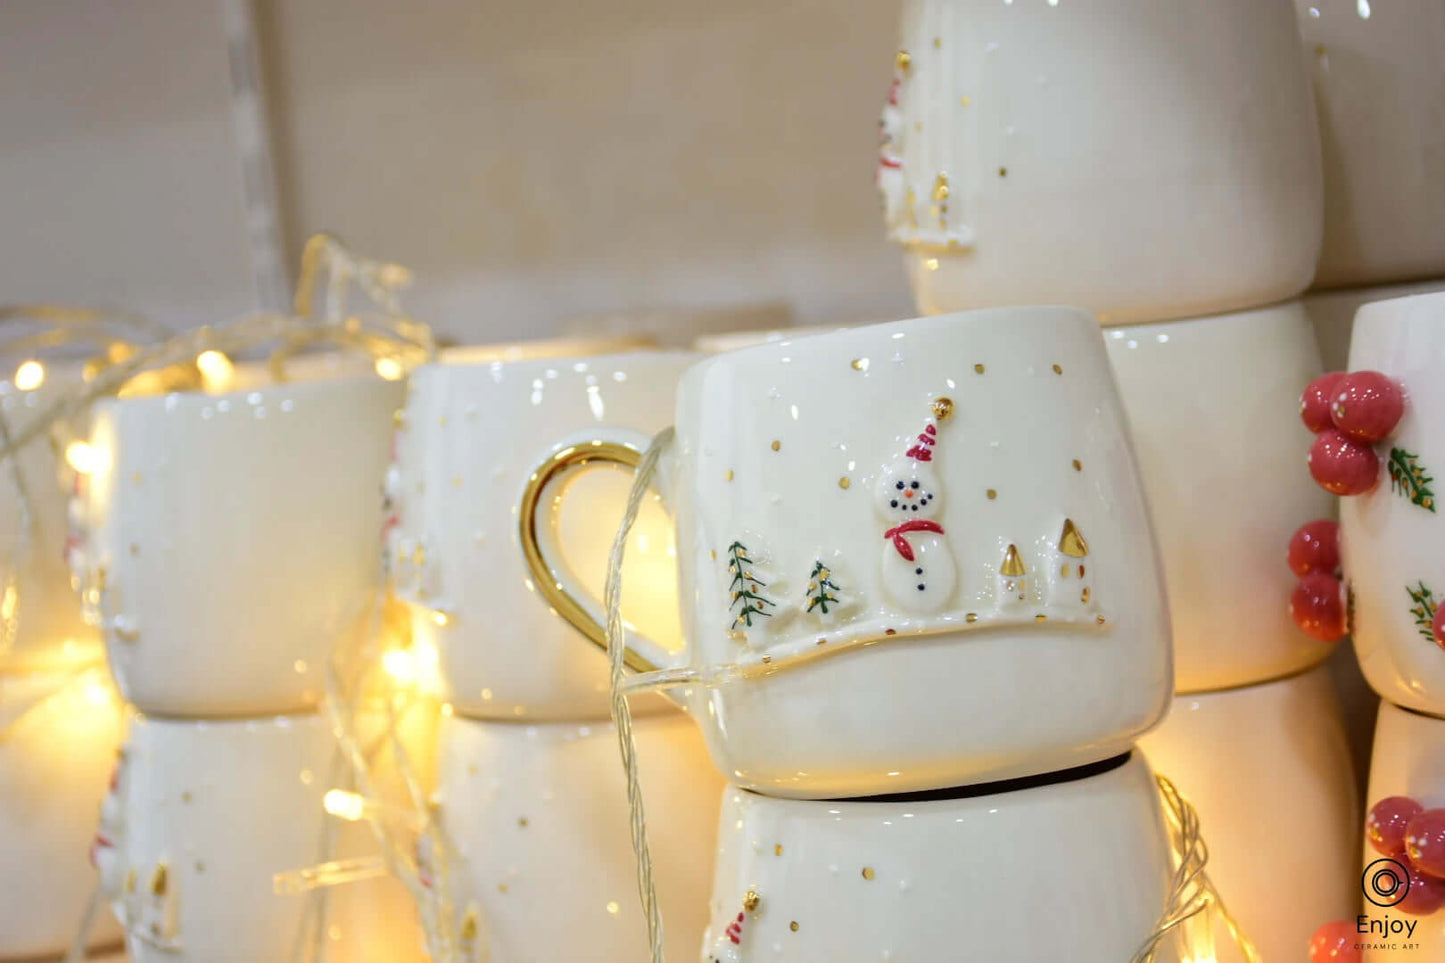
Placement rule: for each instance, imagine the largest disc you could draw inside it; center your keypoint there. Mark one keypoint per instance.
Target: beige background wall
(531, 161)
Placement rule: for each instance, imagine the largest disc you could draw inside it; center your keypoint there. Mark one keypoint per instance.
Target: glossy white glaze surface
(733, 340)
(1268, 769)
(1114, 155)
(538, 813)
(1391, 544)
(1333, 314)
(473, 432)
(945, 879)
(60, 734)
(1049, 645)
(1378, 69)
(1408, 760)
(234, 538)
(205, 813)
(1213, 405)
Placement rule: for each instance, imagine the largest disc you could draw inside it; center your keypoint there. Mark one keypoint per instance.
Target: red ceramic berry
(1338, 941)
(1426, 895)
(1342, 465)
(1366, 405)
(1437, 625)
(1314, 403)
(1385, 825)
(1315, 547)
(1425, 842)
(1318, 606)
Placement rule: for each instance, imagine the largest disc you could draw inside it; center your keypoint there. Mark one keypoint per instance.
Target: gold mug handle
(617, 447)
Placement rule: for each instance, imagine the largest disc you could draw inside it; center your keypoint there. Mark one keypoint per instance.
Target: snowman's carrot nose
(908, 493)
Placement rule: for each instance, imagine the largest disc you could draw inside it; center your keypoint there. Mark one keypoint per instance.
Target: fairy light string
(1191, 892)
(134, 347)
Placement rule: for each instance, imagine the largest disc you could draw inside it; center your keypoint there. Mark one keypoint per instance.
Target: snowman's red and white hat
(922, 449)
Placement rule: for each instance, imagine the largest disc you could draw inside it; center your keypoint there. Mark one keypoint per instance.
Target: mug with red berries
(1380, 443)
(1404, 832)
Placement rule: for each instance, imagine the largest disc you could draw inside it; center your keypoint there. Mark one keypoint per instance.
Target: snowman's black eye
(915, 484)
(894, 503)
(900, 486)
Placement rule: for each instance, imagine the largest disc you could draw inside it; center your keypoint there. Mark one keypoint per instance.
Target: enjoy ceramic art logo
(1386, 882)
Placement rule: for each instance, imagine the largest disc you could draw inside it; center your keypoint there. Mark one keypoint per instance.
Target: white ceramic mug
(1408, 760)
(474, 428)
(1390, 539)
(918, 552)
(58, 738)
(232, 539)
(49, 633)
(1268, 769)
(1067, 870)
(204, 814)
(538, 815)
(1116, 155)
(1333, 315)
(1213, 406)
(1378, 68)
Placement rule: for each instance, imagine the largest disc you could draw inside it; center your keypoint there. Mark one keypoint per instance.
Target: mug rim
(1013, 313)
(170, 400)
(556, 348)
(440, 366)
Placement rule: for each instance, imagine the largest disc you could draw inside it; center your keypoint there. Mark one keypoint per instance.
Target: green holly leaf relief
(1409, 479)
(1423, 609)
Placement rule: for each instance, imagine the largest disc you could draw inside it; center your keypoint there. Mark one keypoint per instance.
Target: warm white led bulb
(84, 457)
(390, 369)
(30, 375)
(217, 371)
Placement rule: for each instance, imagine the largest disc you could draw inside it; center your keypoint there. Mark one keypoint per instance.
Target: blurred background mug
(202, 815)
(232, 539)
(1116, 155)
(474, 427)
(538, 817)
(919, 551)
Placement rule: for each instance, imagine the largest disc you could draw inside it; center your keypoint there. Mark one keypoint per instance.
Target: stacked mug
(923, 624)
(1377, 446)
(59, 720)
(1119, 156)
(529, 792)
(226, 543)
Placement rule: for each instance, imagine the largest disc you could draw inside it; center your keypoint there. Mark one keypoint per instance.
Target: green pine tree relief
(1424, 609)
(1409, 479)
(748, 602)
(822, 590)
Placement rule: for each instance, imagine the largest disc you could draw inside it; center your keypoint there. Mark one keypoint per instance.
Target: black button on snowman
(918, 570)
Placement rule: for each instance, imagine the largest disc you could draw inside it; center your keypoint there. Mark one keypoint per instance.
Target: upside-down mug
(1117, 155)
(537, 815)
(230, 540)
(1212, 414)
(1391, 535)
(1084, 852)
(910, 555)
(1237, 755)
(201, 816)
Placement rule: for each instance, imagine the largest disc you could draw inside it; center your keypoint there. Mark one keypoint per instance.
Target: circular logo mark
(1386, 882)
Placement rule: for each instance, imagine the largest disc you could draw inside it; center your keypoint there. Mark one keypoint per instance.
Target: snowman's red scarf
(917, 525)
